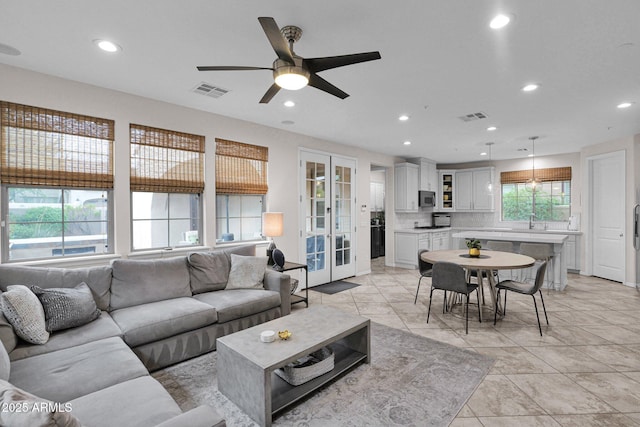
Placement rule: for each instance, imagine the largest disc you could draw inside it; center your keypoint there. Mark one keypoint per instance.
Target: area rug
(334, 287)
(411, 381)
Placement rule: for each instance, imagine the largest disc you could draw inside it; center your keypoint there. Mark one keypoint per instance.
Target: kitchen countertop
(518, 230)
(421, 230)
(514, 237)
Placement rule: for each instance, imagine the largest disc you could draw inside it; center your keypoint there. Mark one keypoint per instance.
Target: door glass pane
(315, 215)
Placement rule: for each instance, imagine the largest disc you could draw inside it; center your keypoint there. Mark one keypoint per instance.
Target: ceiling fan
(294, 72)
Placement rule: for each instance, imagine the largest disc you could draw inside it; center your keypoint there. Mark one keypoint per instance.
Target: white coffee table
(246, 365)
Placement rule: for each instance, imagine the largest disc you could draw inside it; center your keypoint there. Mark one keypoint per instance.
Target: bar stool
(541, 252)
(501, 246)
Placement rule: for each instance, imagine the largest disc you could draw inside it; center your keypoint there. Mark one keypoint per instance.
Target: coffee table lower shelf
(284, 394)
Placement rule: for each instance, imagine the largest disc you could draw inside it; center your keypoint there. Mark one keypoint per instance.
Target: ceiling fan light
(291, 78)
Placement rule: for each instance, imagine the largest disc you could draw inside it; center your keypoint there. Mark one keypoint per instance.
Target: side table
(288, 266)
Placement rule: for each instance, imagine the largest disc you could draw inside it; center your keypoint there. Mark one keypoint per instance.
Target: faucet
(531, 216)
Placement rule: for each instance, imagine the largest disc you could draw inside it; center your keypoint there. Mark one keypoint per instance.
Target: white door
(607, 182)
(328, 211)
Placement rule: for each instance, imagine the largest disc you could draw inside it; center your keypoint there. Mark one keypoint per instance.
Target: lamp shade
(272, 224)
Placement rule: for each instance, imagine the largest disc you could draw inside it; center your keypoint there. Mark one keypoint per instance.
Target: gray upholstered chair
(540, 252)
(425, 269)
(447, 276)
(525, 289)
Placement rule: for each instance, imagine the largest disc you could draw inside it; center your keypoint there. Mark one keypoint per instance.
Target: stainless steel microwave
(427, 199)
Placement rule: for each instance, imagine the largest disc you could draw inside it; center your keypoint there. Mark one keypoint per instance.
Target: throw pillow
(247, 272)
(5, 364)
(7, 334)
(67, 307)
(23, 310)
(22, 409)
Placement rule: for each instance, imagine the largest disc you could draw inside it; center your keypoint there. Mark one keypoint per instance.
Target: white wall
(26, 87)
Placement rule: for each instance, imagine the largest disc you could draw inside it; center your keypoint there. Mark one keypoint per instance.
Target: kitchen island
(557, 271)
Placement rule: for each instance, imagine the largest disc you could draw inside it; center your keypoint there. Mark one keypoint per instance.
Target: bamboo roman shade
(54, 148)
(166, 161)
(541, 175)
(241, 168)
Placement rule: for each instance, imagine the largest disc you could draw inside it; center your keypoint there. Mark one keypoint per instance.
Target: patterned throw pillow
(247, 272)
(67, 307)
(22, 409)
(23, 310)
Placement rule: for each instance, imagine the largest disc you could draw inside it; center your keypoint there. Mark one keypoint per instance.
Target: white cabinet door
(464, 191)
(483, 189)
(406, 249)
(376, 201)
(406, 187)
(425, 242)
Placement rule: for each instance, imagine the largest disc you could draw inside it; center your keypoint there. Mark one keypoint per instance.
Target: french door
(327, 196)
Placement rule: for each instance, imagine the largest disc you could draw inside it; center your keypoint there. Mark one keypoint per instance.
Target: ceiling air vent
(473, 116)
(208, 89)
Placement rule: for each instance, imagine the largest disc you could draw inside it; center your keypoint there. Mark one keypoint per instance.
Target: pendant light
(489, 183)
(533, 162)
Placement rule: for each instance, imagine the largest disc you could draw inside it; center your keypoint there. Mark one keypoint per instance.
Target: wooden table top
(489, 260)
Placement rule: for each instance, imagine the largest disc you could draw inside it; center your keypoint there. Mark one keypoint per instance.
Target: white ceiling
(440, 60)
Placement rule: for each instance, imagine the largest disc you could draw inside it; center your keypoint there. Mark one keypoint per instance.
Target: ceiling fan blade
(271, 92)
(276, 39)
(320, 83)
(320, 64)
(230, 68)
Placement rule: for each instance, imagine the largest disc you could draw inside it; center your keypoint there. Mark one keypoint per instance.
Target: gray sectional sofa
(154, 313)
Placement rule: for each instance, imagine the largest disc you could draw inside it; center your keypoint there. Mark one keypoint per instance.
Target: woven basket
(307, 368)
(294, 286)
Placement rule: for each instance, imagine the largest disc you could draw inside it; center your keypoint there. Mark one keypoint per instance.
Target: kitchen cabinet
(441, 240)
(407, 243)
(428, 174)
(376, 201)
(445, 190)
(406, 187)
(572, 246)
(472, 189)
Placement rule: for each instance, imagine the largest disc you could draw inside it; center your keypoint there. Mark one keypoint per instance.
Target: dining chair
(502, 246)
(447, 276)
(525, 289)
(425, 269)
(540, 252)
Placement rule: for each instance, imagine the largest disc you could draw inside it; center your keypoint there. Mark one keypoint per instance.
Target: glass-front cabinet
(446, 184)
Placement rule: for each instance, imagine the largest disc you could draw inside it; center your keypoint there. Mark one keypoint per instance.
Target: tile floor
(583, 371)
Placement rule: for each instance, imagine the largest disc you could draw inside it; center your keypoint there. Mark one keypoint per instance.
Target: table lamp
(272, 226)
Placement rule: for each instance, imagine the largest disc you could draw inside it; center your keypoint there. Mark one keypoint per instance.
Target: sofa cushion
(209, 271)
(23, 310)
(232, 304)
(67, 307)
(138, 282)
(22, 409)
(77, 371)
(247, 272)
(5, 364)
(102, 327)
(98, 279)
(7, 334)
(139, 402)
(157, 320)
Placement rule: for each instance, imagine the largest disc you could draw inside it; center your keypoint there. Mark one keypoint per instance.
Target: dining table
(487, 262)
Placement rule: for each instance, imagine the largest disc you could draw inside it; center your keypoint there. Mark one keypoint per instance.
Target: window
(241, 183)
(549, 199)
(167, 180)
(57, 176)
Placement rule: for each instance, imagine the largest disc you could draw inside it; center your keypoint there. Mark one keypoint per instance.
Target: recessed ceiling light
(491, 128)
(9, 50)
(289, 104)
(483, 153)
(107, 46)
(500, 21)
(407, 143)
(625, 105)
(529, 155)
(530, 87)
(403, 118)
